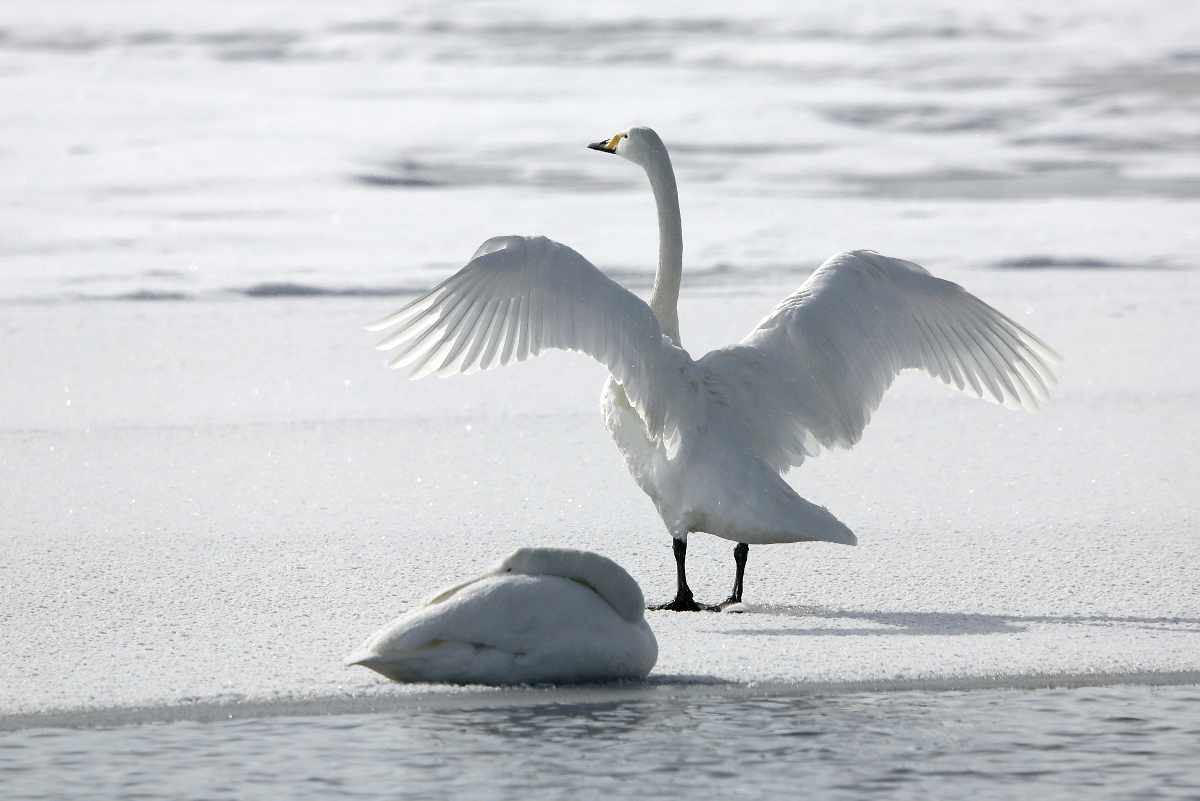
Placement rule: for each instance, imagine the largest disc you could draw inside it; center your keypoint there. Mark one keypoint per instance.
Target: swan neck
(664, 300)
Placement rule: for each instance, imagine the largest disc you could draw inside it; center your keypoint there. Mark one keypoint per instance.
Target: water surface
(1093, 742)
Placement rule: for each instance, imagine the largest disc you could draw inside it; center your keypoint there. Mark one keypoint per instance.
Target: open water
(1093, 742)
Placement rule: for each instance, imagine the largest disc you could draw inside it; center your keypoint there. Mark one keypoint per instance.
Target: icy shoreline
(438, 697)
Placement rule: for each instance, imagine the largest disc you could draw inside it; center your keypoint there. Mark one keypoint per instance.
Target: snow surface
(240, 492)
(211, 489)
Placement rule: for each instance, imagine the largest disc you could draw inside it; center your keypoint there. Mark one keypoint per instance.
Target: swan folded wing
(814, 370)
(467, 615)
(598, 573)
(519, 296)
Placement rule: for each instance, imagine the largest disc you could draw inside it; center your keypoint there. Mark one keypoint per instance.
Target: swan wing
(519, 296)
(814, 370)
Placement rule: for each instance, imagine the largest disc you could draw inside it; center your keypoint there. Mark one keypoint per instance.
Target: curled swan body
(540, 615)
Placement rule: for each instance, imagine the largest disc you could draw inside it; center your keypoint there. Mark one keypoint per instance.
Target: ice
(171, 535)
(159, 153)
(214, 489)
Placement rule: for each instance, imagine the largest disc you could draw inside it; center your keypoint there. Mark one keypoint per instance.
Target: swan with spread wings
(708, 439)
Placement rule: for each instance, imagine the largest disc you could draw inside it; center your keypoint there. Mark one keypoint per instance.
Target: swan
(539, 615)
(708, 439)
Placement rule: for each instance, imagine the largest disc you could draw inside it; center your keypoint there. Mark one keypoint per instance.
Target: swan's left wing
(810, 375)
(519, 296)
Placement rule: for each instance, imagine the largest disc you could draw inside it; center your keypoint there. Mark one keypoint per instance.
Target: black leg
(739, 560)
(683, 602)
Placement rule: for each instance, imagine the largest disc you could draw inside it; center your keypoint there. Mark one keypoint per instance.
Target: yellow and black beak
(608, 145)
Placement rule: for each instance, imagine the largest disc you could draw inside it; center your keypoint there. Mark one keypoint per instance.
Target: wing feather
(463, 327)
(963, 359)
(812, 373)
(483, 332)
(941, 368)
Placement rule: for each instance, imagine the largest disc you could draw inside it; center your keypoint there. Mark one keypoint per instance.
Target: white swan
(707, 439)
(540, 615)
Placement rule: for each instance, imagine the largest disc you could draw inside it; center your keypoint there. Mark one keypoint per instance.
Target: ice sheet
(239, 492)
(160, 150)
(211, 488)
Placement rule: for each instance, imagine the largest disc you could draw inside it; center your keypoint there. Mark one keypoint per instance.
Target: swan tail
(762, 508)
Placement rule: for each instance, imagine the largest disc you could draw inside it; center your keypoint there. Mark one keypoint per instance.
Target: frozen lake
(211, 489)
(163, 152)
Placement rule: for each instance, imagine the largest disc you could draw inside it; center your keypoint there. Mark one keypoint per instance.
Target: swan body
(708, 439)
(540, 615)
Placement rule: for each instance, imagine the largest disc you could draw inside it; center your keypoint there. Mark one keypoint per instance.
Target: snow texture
(212, 489)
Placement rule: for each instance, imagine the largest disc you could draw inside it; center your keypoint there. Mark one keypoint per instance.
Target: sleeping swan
(540, 615)
(708, 438)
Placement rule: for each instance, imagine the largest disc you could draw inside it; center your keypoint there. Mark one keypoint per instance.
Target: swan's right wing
(519, 296)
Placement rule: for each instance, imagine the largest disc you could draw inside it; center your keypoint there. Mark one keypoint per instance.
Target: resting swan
(539, 615)
(707, 439)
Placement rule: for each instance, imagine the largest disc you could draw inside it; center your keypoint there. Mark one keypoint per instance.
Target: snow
(223, 516)
(214, 498)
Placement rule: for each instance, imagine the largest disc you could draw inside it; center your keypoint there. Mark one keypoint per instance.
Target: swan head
(637, 144)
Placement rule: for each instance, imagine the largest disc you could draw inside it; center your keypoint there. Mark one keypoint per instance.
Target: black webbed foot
(685, 603)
